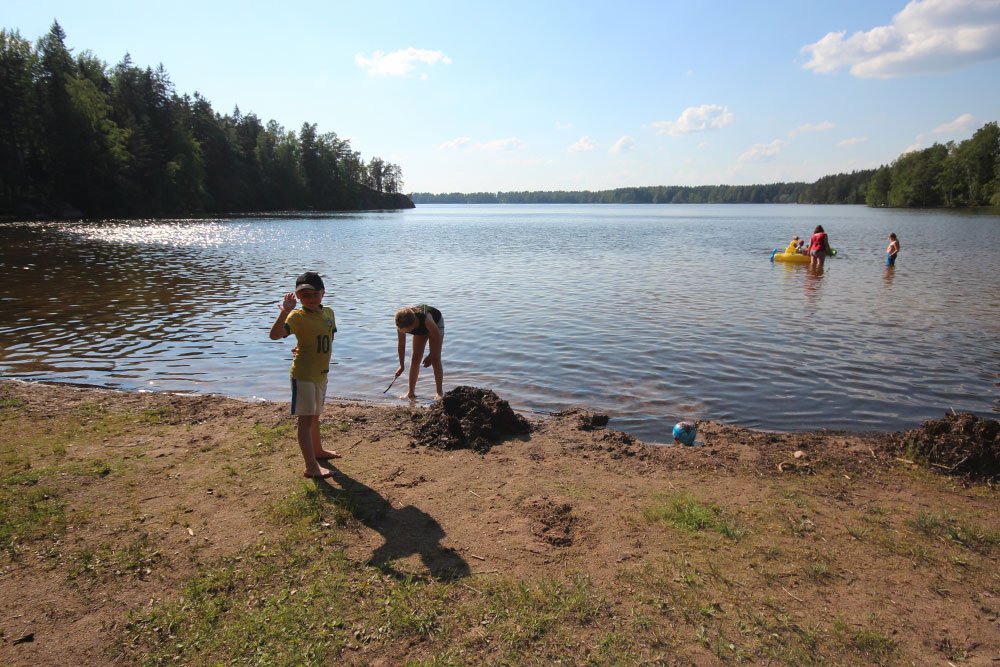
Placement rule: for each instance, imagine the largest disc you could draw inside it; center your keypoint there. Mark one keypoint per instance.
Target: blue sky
(545, 95)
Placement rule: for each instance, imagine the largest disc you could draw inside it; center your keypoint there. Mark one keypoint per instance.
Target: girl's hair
(819, 228)
(405, 318)
(892, 236)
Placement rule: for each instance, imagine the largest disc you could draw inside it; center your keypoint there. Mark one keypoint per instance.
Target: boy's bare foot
(438, 397)
(325, 455)
(319, 474)
(409, 397)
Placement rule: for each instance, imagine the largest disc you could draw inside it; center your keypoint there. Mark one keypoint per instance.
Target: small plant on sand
(683, 511)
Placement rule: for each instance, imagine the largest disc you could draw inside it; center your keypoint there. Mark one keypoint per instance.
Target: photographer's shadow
(405, 531)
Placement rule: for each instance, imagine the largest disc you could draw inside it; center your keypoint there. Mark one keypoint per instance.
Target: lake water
(648, 313)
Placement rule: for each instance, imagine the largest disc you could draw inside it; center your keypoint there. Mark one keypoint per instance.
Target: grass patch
(270, 436)
(10, 405)
(683, 511)
(28, 509)
(963, 533)
(154, 415)
(132, 560)
(310, 506)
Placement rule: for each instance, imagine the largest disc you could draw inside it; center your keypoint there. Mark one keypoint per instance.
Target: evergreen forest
(945, 175)
(80, 138)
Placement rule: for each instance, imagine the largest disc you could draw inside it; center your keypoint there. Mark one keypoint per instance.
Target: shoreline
(424, 404)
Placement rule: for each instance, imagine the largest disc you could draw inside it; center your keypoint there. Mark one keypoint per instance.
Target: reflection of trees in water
(406, 531)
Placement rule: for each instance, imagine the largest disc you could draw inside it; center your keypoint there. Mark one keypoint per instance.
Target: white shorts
(308, 397)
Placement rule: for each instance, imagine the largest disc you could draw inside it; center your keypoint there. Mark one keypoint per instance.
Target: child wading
(892, 250)
(425, 323)
(313, 326)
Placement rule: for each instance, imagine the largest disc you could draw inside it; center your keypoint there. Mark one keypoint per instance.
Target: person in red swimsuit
(819, 246)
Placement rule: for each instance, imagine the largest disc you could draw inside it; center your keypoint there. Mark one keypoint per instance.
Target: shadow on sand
(405, 531)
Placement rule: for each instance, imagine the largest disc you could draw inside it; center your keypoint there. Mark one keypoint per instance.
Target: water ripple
(651, 313)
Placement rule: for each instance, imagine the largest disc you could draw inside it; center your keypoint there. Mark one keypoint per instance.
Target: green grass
(270, 437)
(299, 601)
(10, 405)
(135, 560)
(683, 511)
(29, 510)
(957, 531)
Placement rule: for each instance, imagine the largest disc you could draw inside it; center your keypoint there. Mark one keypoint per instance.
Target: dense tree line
(840, 189)
(78, 136)
(951, 175)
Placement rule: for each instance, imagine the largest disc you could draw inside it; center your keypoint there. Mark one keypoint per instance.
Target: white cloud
(812, 127)
(399, 63)
(695, 119)
(496, 145)
(704, 144)
(960, 125)
(762, 152)
(584, 144)
(563, 126)
(926, 36)
(456, 144)
(625, 144)
(851, 141)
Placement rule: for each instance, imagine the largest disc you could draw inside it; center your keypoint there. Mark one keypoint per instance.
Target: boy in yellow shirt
(313, 326)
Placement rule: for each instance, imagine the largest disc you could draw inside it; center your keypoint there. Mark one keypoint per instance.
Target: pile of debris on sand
(959, 444)
(468, 418)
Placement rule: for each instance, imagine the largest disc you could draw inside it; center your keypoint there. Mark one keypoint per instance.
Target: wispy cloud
(492, 146)
(822, 126)
(399, 63)
(625, 144)
(961, 124)
(583, 145)
(926, 36)
(851, 141)
(695, 119)
(458, 143)
(497, 145)
(563, 126)
(762, 152)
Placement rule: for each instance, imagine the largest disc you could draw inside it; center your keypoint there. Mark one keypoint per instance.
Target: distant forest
(78, 138)
(944, 175)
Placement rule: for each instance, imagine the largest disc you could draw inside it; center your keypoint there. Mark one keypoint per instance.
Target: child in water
(426, 324)
(892, 250)
(792, 245)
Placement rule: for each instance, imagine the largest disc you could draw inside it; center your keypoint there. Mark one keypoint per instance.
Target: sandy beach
(146, 528)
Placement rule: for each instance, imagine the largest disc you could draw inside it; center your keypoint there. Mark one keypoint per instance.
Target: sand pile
(468, 418)
(958, 444)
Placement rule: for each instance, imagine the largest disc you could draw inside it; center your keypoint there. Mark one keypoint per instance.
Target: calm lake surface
(648, 313)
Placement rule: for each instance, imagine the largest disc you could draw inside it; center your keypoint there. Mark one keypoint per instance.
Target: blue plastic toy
(684, 433)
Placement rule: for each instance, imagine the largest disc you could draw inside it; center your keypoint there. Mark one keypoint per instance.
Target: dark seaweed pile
(959, 444)
(468, 418)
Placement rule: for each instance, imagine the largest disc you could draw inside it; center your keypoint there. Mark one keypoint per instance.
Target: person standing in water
(892, 250)
(426, 325)
(819, 246)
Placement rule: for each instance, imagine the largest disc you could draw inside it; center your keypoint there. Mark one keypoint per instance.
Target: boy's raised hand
(287, 304)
